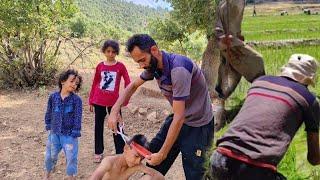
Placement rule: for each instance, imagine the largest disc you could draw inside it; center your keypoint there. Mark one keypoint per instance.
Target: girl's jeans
(70, 147)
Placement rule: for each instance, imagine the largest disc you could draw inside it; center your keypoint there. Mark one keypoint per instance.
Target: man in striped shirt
(274, 110)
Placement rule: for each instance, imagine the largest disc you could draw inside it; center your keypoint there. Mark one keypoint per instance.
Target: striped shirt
(272, 113)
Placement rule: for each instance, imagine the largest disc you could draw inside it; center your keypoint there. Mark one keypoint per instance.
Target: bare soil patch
(23, 136)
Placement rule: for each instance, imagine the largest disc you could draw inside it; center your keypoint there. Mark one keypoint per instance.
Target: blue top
(63, 117)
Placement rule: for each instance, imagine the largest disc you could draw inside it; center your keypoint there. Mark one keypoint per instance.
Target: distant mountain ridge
(151, 3)
(121, 15)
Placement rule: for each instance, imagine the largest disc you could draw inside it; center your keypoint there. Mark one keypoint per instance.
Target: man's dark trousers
(192, 142)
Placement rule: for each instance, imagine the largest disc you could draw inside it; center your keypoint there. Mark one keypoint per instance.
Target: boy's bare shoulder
(104, 168)
(111, 157)
(109, 160)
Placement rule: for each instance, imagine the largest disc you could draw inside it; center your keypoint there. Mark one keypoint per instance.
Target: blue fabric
(70, 147)
(171, 61)
(63, 117)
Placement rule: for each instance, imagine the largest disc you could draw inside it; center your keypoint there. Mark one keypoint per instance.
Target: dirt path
(23, 138)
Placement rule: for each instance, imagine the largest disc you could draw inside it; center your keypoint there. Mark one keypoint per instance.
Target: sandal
(98, 158)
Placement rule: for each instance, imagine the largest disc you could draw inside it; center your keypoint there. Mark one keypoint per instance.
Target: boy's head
(132, 157)
(110, 49)
(70, 81)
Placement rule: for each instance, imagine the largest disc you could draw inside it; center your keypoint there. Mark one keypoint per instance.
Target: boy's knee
(72, 161)
(69, 147)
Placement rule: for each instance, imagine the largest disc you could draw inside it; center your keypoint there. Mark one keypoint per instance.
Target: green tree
(30, 37)
(167, 31)
(78, 27)
(195, 15)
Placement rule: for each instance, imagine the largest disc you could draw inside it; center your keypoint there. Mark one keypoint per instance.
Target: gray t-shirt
(182, 79)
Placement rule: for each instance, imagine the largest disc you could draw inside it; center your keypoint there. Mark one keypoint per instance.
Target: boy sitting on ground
(123, 166)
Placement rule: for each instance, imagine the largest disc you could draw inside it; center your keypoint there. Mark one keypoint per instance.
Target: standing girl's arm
(77, 118)
(48, 115)
(94, 84)
(126, 79)
(125, 76)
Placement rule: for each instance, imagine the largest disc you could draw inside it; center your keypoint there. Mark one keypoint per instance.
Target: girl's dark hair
(141, 140)
(65, 75)
(110, 43)
(143, 41)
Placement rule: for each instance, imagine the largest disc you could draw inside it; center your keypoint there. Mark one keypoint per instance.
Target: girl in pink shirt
(105, 92)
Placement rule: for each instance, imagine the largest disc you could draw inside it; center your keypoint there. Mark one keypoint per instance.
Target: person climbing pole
(236, 58)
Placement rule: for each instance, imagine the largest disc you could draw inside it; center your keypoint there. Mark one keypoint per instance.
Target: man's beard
(153, 65)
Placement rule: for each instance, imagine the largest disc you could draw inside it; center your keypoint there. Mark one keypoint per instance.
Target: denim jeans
(192, 142)
(70, 147)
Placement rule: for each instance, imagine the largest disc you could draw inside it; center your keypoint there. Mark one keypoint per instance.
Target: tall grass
(274, 59)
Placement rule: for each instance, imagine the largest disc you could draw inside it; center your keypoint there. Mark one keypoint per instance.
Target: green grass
(271, 28)
(274, 59)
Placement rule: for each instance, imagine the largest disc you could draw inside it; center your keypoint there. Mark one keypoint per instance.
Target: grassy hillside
(116, 18)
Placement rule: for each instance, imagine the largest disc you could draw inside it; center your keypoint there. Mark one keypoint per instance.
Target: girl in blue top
(63, 122)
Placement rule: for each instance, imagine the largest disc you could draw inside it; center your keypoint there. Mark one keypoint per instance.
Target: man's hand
(156, 158)
(91, 108)
(225, 42)
(114, 115)
(241, 37)
(113, 119)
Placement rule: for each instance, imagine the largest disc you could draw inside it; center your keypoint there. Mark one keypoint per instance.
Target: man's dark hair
(143, 41)
(65, 75)
(110, 43)
(141, 140)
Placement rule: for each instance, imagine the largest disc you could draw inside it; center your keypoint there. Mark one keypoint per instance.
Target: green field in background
(276, 27)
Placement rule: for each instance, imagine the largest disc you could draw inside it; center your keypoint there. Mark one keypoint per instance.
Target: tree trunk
(210, 64)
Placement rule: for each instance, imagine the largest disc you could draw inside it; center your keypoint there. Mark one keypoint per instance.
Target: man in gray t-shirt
(190, 129)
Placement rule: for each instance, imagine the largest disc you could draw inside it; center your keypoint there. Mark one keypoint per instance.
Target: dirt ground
(23, 137)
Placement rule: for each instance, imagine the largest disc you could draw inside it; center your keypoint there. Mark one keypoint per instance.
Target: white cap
(301, 68)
